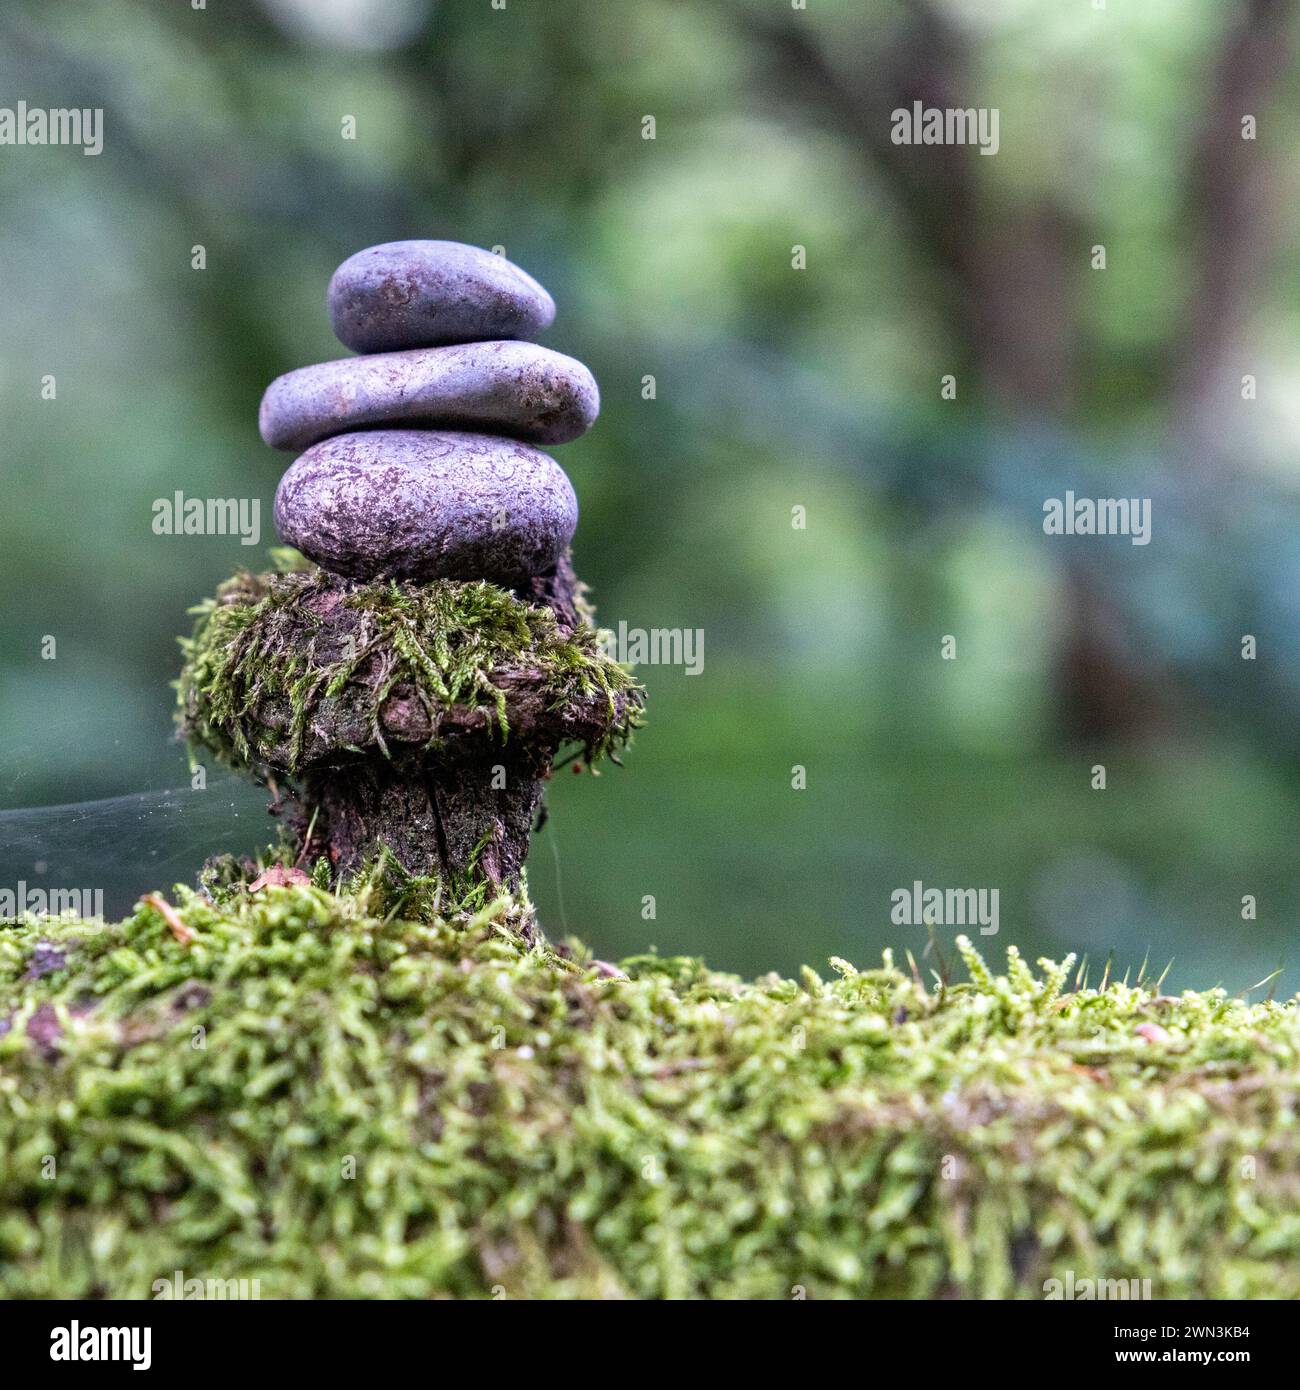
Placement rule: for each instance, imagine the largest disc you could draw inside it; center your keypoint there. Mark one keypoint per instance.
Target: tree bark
(457, 819)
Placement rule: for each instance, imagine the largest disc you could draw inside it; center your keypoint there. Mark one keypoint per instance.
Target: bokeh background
(776, 388)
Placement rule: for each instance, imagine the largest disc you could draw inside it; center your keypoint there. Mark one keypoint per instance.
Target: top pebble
(420, 294)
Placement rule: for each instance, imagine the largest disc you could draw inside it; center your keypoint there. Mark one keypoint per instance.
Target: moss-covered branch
(333, 1103)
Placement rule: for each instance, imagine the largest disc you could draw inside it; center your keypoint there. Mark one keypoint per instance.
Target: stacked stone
(418, 465)
(418, 462)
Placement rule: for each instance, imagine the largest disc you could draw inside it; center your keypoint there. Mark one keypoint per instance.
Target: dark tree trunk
(458, 819)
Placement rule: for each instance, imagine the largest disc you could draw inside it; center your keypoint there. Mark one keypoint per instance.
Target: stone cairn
(379, 492)
(418, 467)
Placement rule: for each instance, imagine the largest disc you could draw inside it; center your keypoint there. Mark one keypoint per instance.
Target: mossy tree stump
(414, 723)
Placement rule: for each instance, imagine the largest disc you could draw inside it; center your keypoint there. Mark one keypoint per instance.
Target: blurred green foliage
(775, 388)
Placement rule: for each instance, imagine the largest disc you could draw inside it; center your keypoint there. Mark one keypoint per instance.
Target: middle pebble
(511, 388)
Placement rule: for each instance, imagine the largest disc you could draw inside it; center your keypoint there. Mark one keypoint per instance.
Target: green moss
(383, 884)
(278, 658)
(330, 1102)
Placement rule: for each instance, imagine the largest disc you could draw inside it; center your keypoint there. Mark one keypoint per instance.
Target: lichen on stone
(300, 1089)
(291, 667)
